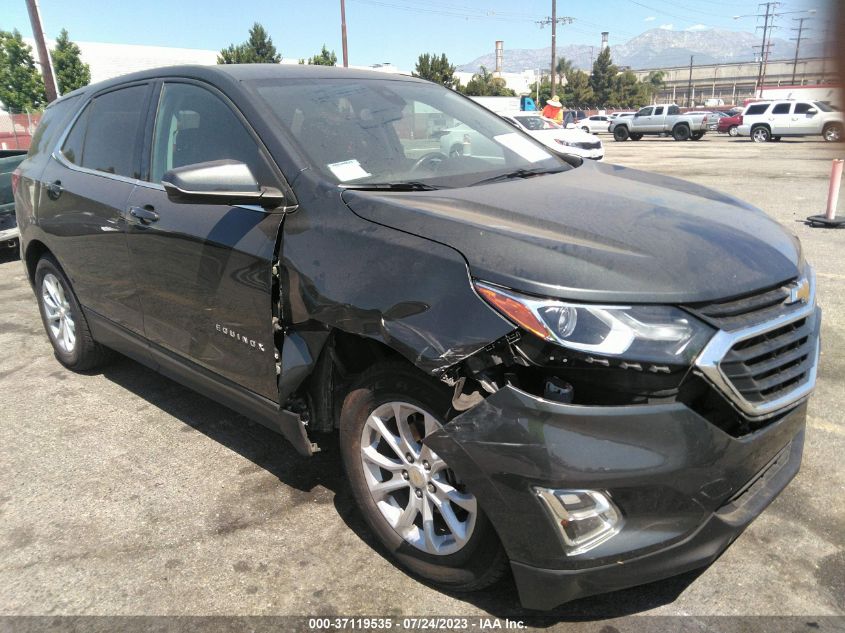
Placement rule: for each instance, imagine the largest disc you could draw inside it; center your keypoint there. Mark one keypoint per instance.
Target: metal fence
(16, 129)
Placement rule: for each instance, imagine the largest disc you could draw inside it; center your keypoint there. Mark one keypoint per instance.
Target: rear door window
(658, 110)
(757, 108)
(106, 135)
(781, 108)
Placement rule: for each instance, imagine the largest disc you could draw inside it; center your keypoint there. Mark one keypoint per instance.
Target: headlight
(567, 143)
(658, 334)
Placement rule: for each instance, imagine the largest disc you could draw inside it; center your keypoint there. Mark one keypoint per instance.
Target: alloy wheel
(415, 491)
(833, 134)
(57, 309)
(760, 135)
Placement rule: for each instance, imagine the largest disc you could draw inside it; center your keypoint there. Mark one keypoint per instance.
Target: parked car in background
(713, 119)
(596, 123)
(9, 161)
(551, 134)
(659, 120)
(772, 120)
(728, 124)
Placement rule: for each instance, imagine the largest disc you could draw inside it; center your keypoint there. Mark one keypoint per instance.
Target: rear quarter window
(52, 124)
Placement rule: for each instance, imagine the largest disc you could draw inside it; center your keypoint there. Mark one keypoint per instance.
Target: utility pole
(765, 46)
(800, 30)
(343, 32)
(689, 84)
(554, 21)
(50, 87)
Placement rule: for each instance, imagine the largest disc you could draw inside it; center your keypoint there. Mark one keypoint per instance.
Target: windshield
(388, 131)
(821, 105)
(537, 123)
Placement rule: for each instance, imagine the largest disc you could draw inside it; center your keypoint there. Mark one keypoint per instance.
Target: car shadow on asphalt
(271, 452)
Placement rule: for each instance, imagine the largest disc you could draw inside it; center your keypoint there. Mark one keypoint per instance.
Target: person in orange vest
(553, 109)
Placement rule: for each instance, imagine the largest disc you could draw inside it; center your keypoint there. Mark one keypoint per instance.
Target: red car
(729, 124)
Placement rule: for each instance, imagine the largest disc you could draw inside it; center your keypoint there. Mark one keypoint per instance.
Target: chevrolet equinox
(590, 376)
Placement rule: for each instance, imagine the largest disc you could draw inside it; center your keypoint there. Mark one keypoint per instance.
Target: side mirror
(812, 111)
(218, 182)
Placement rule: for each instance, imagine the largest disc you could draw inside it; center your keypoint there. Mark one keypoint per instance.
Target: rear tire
(63, 320)
(697, 136)
(636, 137)
(733, 131)
(466, 560)
(832, 133)
(681, 133)
(620, 133)
(761, 134)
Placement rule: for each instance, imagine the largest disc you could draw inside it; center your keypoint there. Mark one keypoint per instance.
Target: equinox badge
(239, 337)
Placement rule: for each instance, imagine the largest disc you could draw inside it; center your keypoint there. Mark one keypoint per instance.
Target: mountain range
(655, 48)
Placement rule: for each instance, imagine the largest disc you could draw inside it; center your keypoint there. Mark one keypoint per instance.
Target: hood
(598, 233)
(576, 135)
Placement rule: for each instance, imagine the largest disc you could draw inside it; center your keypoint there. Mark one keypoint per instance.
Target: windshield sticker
(348, 170)
(522, 146)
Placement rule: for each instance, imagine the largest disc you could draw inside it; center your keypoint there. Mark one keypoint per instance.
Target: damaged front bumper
(685, 488)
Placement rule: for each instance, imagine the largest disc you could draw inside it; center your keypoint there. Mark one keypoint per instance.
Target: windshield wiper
(407, 185)
(520, 173)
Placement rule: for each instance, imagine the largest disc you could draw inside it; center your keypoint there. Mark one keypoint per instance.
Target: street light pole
(50, 87)
(343, 33)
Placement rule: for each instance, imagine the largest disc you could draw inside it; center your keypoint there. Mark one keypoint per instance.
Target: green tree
(21, 86)
(602, 78)
(577, 93)
(484, 84)
(627, 91)
(654, 83)
(258, 49)
(71, 71)
(436, 69)
(564, 67)
(545, 92)
(323, 58)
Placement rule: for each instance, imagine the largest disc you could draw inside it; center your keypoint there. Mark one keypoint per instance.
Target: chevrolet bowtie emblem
(799, 292)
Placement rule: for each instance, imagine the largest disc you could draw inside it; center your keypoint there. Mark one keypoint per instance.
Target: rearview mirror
(218, 182)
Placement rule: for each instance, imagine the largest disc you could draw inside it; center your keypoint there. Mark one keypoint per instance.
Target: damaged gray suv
(588, 376)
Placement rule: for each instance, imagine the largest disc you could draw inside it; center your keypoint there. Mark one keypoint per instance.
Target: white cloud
(697, 27)
(650, 18)
(667, 27)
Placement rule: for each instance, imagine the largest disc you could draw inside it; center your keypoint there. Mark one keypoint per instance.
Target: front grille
(596, 145)
(764, 356)
(767, 365)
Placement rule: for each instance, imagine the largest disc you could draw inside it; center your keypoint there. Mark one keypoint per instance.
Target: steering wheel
(431, 157)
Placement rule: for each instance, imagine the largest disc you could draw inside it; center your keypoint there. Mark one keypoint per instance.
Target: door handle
(54, 190)
(144, 214)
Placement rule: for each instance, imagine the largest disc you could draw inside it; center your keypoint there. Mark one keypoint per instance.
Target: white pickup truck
(659, 120)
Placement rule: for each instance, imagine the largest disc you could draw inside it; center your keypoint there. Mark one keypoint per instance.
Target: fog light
(584, 518)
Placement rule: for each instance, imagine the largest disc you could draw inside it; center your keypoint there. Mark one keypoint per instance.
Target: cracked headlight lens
(650, 333)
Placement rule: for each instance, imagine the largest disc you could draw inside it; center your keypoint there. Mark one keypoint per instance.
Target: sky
(394, 31)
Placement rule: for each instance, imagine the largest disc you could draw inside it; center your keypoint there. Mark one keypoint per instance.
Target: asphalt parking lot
(125, 493)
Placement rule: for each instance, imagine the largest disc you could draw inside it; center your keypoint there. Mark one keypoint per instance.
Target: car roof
(247, 72)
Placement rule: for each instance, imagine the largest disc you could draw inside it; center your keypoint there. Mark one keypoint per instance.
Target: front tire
(66, 327)
(832, 133)
(408, 495)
